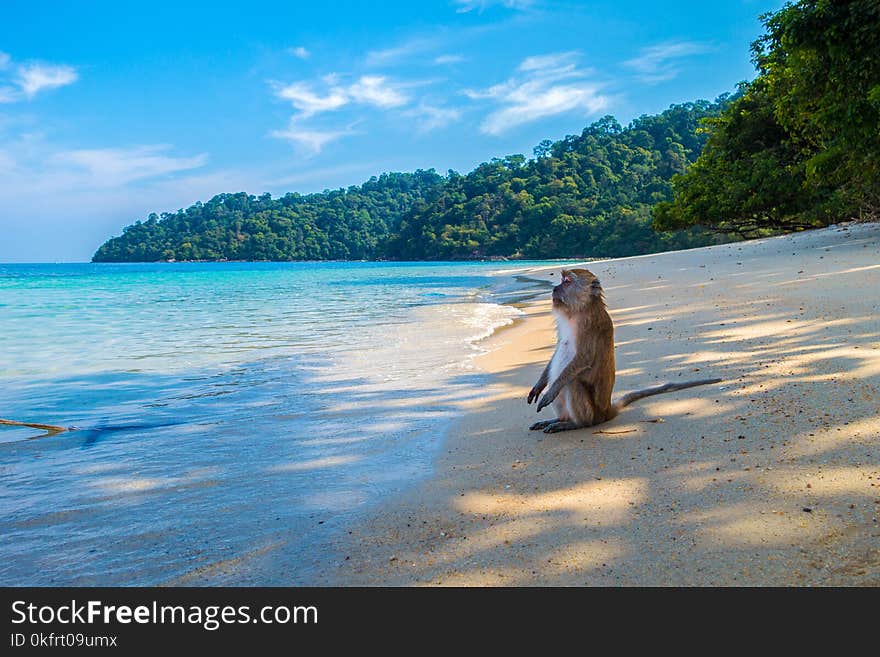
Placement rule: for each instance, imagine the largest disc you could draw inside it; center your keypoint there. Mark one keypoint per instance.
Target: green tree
(585, 195)
(800, 147)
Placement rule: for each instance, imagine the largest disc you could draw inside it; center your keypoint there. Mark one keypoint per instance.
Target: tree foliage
(343, 224)
(585, 195)
(800, 147)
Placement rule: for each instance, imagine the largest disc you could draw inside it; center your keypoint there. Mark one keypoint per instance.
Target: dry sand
(771, 477)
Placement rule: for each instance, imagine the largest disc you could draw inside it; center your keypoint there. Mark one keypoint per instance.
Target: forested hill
(585, 195)
(800, 145)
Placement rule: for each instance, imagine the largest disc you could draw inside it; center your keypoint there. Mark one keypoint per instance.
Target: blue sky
(111, 110)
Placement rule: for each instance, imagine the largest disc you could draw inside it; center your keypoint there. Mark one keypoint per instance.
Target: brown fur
(581, 373)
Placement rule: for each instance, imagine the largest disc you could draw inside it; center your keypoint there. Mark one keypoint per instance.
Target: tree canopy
(585, 195)
(800, 147)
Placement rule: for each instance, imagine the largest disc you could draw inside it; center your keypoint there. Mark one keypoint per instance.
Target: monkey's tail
(635, 395)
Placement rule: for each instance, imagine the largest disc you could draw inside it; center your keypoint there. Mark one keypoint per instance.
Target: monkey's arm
(535, 392)
(574, 369)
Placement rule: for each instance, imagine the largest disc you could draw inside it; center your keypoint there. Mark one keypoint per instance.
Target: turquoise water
(221, 409)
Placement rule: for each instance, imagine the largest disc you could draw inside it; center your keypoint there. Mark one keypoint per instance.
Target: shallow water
(220, 407)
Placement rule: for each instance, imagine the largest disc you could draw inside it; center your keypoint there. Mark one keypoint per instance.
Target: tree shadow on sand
(771, 477)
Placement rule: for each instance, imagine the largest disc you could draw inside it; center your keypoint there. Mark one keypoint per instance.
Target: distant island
(583, 195)
(798, 147)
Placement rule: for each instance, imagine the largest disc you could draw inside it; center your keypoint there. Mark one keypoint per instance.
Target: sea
(219, 410)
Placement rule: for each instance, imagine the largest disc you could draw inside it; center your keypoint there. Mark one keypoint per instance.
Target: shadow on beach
(771, 477)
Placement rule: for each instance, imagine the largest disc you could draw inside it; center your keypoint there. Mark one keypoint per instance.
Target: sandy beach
(771, 477)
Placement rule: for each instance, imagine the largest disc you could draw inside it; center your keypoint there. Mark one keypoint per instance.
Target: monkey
(581, 372)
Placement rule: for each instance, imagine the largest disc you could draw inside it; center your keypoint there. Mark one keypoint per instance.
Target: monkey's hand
(547, 399)
(535, 392)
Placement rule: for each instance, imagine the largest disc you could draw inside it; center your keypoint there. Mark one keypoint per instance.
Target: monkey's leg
(561, 425)
(595, 412)
(542, 424)
(583, 411)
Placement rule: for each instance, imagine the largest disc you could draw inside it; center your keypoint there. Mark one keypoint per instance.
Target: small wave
(269, 387)
(487, 318)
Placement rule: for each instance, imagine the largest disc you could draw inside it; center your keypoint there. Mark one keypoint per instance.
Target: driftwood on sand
(50, 429)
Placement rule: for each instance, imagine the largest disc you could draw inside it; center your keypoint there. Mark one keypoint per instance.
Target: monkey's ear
(595, 287)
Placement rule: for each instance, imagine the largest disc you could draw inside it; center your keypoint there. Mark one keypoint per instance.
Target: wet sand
(771, 477)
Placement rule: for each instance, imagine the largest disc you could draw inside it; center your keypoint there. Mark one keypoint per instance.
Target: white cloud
(34, 78)
(387, 56)
(311, 141)
(448, 59)
(24, 81)
(465, 6)
(69, 201)
(9, 94)
(429, 117)
(303, 98)
(655, 63)
(544, 86)
(554, 62)
(300, 52)
(55, 212)
(376, 90)
(119, 166)
(530, 102)
(371, 90)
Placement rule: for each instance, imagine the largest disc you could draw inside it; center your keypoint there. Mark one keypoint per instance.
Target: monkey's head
(576, 291)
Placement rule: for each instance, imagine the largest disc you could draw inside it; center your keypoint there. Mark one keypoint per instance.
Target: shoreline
(284, 559)
(771, 477)
(256, 435)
